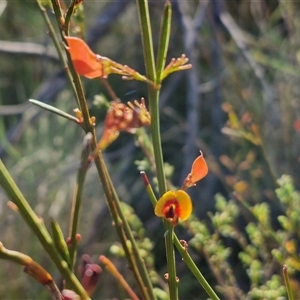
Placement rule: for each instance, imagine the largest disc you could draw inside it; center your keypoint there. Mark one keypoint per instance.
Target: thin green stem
(68, 17)
(172, 279)
(153, 95)
(55, 39)
(194, 269)
(37, 226)
(164, 38)
(156, 141)
(125, 232)
(74, 77)
(144, 18)
(52, 33)
(149, 188)
(287, 283)
(77, 199)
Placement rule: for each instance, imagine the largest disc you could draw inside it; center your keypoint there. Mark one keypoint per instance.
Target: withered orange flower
(123, 118)
(173, 206)
(85, 61)
(199, 170)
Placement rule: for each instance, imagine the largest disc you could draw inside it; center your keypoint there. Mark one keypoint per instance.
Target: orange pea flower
(173, 206)
(199, 170)
(85, 61)
(91, 65)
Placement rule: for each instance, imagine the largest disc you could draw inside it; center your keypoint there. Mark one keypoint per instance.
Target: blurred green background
(245, 78)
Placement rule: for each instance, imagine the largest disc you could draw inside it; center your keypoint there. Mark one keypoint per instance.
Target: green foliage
(262, 248)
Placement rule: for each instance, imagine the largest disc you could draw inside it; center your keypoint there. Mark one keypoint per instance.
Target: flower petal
(85, 61)
(199, 170)
(159, 207)
(185, 205)
(108, 137)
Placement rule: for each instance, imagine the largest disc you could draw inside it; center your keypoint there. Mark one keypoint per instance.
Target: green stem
(74, 77)
(164, 38)
(68, 17)
(172, 279)
(156, 141)
(55, 39)
(287, 283)
(153, 95)
(194, 269)
(37, 226)
(146, 32)
(52, 33)
(77, 199)
(124, 232)
(149, 188)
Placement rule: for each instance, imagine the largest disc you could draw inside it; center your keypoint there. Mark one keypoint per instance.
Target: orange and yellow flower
(173, 206)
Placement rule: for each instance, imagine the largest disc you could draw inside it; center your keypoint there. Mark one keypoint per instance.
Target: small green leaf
(60, 242)
(54, 110)
(164, 38)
